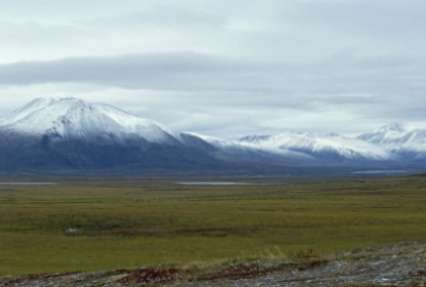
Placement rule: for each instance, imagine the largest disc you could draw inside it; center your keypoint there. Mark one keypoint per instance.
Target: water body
(25, 183)
(373, 172)
(216, 183)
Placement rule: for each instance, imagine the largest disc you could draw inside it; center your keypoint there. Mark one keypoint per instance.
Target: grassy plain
(102, 225)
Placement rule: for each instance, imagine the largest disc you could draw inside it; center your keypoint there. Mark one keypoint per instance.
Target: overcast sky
(223, 67)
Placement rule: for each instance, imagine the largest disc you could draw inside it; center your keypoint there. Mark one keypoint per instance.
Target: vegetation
(101, 225)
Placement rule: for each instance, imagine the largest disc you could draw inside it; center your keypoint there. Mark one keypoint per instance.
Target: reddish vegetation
(419, 273)
(233, 272)
(151, 275)
(242, 271)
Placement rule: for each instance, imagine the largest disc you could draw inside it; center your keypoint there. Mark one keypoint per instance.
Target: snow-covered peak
(382, 143)
(397, 137)
(347, 147)
(28, 109)
(392, 127)
(254, 138)
(72, 117)
(389, 134)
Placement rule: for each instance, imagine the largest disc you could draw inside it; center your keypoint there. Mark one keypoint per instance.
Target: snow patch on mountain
(389, 134)
(396, 138)
(248, 145)
(350, 148)
(71, 117)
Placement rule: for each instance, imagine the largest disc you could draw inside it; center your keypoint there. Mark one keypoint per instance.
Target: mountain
(407, 146)
(313, 145)
(396, 137)
(74, 118)
(392, 134)
(390, 146)
(72, 136)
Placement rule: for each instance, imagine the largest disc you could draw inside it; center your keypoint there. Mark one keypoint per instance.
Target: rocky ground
(397, 265)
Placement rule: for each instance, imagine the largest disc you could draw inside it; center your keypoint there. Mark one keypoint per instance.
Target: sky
(223, 68)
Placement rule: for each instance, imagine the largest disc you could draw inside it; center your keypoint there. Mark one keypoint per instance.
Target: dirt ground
(397, 265)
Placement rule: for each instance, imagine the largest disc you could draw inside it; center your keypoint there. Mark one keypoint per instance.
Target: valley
(103, 224)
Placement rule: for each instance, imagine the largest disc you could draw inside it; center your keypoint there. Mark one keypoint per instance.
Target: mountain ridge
(69, 133)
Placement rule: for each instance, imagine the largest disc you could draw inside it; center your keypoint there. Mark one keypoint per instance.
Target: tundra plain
(78, 225)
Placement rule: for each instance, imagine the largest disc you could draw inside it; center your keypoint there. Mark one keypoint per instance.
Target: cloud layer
(219, 67)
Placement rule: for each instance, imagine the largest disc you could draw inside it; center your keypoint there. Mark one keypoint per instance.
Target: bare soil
(403, 264)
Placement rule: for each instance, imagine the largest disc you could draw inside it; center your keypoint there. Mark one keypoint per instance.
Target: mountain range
(70, 135)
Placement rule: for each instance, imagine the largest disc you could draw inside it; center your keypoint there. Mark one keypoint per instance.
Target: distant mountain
(312, 145)
(70, 135)
(405, 146)
(396, 138)
(73, 118)
(389, 146)
(392, 134)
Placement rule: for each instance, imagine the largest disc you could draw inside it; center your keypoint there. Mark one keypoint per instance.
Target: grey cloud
(194, 71)
(321, 63)
(150, 71)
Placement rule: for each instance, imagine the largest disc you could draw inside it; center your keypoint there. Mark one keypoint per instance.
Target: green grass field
(74, 226)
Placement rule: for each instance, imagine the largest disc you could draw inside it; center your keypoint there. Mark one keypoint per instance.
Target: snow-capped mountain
(71, 134)
(74, 118)
(390, 143)
(396, 138)
(386, 135)
(314, 145)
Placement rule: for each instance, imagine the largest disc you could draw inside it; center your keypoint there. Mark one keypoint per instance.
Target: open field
(76, 226)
